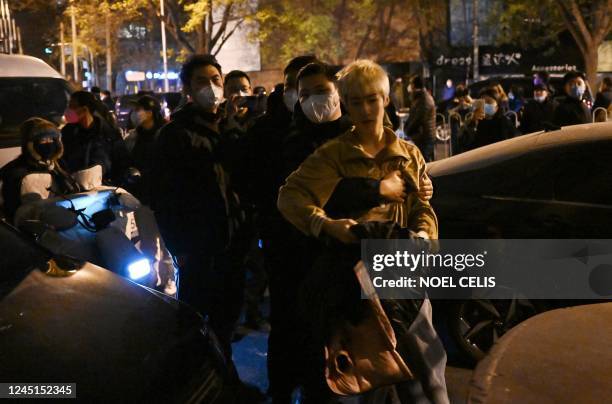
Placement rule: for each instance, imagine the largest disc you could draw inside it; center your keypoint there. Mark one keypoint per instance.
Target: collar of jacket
(93, 129)
(325, 130)
(392, 149)
(191, 118)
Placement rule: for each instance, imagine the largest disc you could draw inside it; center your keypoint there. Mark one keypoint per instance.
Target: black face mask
(46, 150)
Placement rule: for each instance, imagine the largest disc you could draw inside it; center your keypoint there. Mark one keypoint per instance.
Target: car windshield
(23, 98)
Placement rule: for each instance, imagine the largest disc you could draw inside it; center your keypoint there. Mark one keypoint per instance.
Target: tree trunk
(202, 42)
(591, 60)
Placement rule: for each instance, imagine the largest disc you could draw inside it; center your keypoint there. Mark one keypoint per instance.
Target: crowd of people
(496, 116)
(284, 186)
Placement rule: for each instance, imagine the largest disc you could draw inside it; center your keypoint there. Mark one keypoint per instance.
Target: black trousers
(285, 260)
(214, 285)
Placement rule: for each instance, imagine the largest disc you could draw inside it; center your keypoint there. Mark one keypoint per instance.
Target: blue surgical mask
(577, 91)
(490, 109)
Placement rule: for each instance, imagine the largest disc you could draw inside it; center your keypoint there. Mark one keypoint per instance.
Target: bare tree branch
(221, 30)
(577, 14)
(567, 18)
(227, 36)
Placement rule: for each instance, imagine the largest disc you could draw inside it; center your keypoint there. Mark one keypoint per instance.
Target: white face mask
(540, 98)
(209, 97)
(290, 97)
(321, 108)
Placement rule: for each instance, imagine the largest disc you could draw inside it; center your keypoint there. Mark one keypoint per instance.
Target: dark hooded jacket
(101, 144)
(193, 199)
(27, 163)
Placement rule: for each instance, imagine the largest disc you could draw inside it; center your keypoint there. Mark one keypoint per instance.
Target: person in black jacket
(488, 124)
(538, 113)
(147, 119)
(571, 109)
(90, 140)
(421, 123)
(194, 202)
(37, 172)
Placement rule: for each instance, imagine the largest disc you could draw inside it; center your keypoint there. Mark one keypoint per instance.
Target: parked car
(544, 185)
(562, 356)
(28, 87)
(62, 320)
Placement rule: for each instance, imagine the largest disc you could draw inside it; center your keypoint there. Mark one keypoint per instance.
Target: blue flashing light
(139, 269)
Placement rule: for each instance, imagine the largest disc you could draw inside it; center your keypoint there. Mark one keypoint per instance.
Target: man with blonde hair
(369, 149)
(364, 89)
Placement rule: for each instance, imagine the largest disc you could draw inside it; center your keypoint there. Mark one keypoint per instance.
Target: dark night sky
(37, 32)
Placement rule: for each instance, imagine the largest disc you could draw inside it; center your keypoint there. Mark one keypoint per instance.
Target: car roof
(25, 66)
(515, 147)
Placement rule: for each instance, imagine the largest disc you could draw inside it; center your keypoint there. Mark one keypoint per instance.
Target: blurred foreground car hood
(561, 356)
(118, 341)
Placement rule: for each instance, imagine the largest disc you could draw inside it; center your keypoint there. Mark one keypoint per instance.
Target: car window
(586, 174)
(23, 98)
(528, 176)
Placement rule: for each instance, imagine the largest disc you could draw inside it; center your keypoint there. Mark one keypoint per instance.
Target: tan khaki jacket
(308, 189)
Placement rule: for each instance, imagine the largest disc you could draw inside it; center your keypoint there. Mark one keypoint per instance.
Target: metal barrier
(457, 117)
(443, 147)
(605, 111)
(514, 116)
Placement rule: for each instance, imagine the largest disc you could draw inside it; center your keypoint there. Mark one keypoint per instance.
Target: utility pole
(7, 14)
(62, 50)
(165, 55)
(75, 51)
(19, 46)
(92, 68)
(475, 39)
(2, 30)
(109, 56)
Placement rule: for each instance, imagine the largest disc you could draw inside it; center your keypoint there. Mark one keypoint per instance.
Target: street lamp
(165, 56)
(74, 44)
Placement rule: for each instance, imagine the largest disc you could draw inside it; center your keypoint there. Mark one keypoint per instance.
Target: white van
(28, 87)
